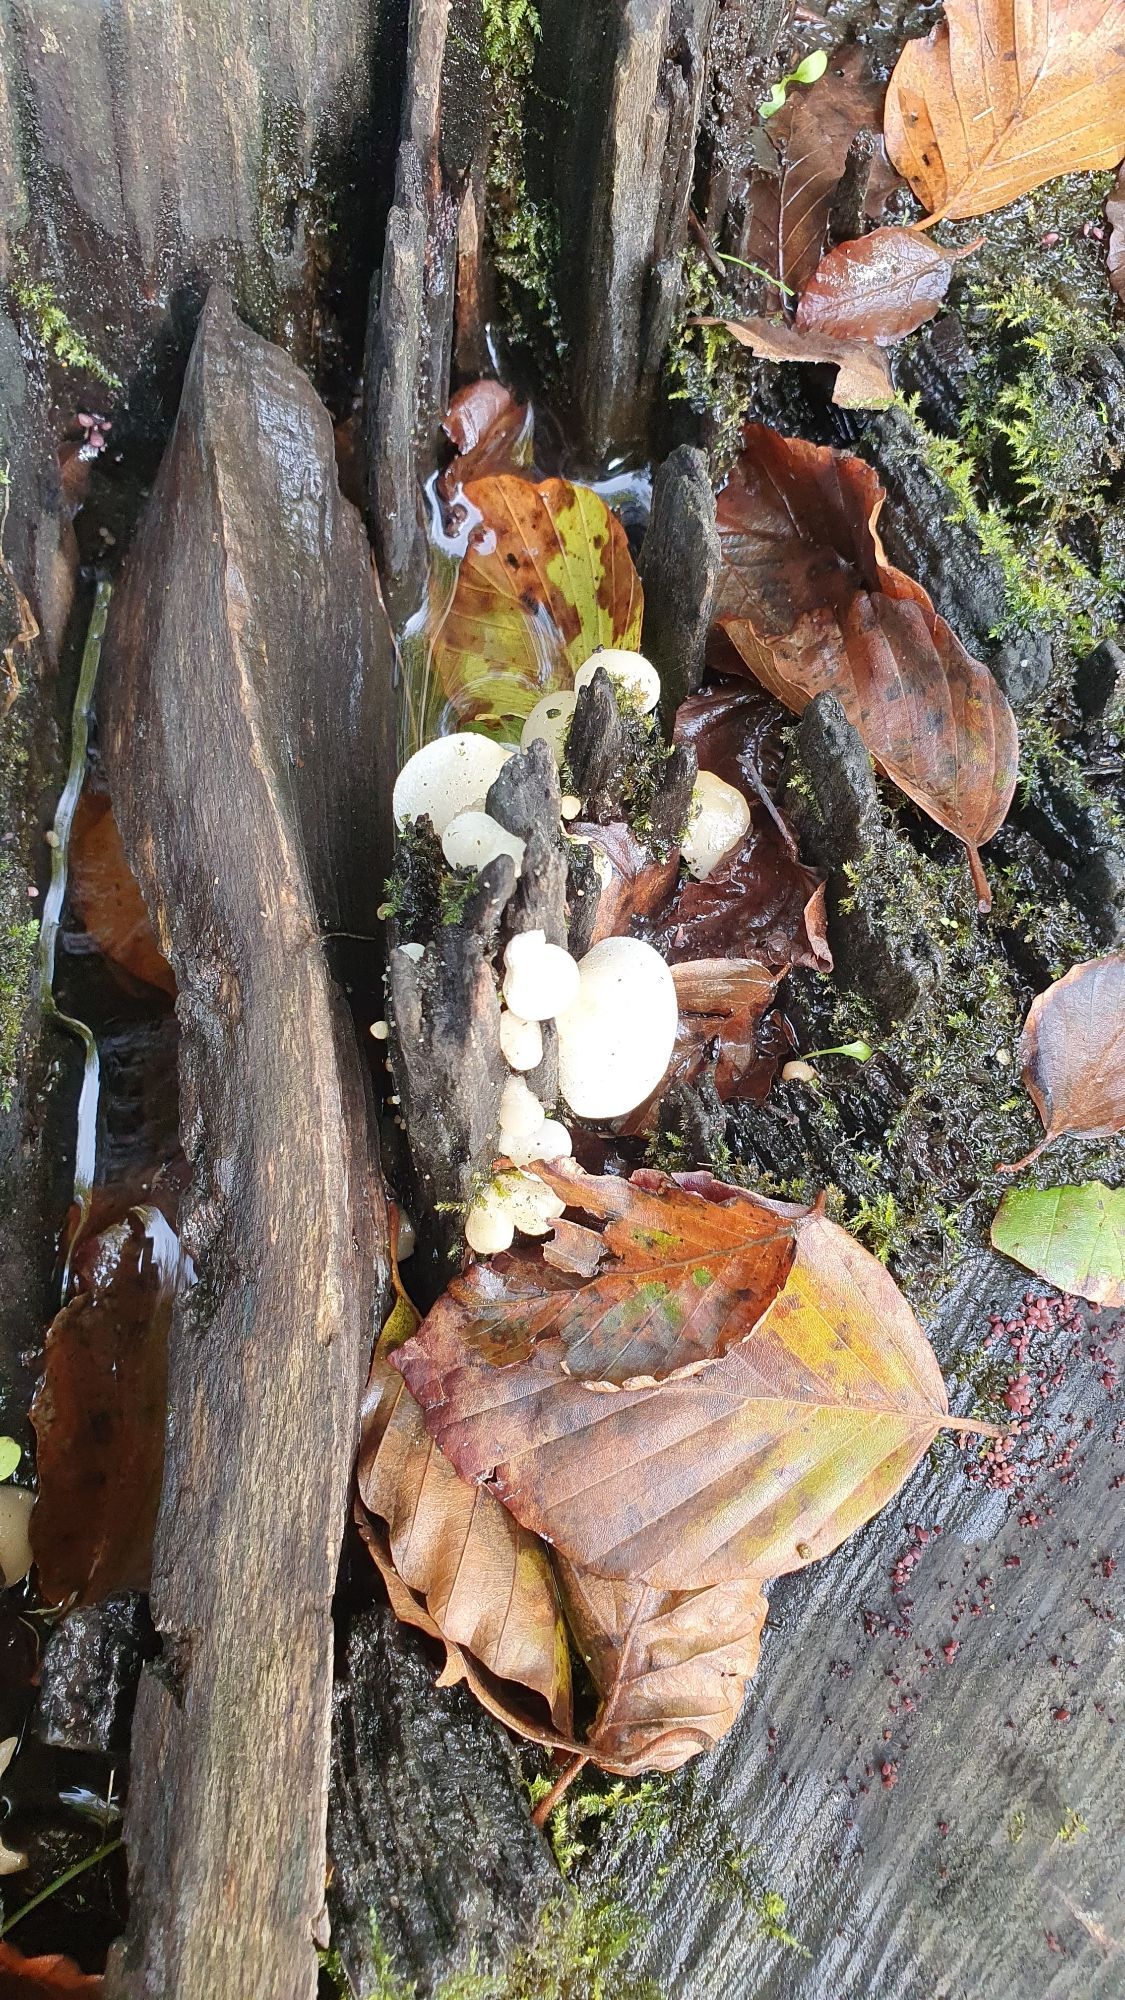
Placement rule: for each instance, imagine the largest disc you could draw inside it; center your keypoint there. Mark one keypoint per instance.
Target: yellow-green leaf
(546, 579)
(1074, 1237)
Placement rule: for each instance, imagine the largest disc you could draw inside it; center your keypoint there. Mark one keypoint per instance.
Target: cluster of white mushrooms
(614, 1010)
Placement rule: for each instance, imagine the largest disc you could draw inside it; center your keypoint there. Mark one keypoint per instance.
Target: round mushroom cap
(615, 1041)
(540, 979)
(521, 1042)
(720, 815)
(474, 839)
(532, 1205)
(447, 777)
(551, 719)
(489, 1225)
(550, 1142)
(635, 674)
(521, 1113)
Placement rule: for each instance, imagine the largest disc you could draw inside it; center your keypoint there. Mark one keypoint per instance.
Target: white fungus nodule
(632, 671)
(474, 839)
(616, 1040)
(532, 1205)
(447, 777)
(489, 1226)
(521, 1113)
(540, 979)
(521, 1042)
(551, 719)
(719, 817)
(550, 1142)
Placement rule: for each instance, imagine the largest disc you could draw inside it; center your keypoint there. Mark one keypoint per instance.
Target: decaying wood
(247, 738)
(679, 566)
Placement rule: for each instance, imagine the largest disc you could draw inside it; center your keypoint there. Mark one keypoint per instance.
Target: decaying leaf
(490, 433)
(813, 132)
(99, 1418)
(812, 604)
(878, 288)
(1004, 95)
(670, 1667)
(546, 578)
(722, 1002)
(863, 380)
(105, 894)
(1115, 248)
(752, 1466)
(759, 902)
(1072, 1053)
(1074, 1237)
(636, 883)
(485, 1582)
(45, 1977)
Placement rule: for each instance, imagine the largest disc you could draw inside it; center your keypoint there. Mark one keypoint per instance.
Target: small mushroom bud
(447, 777)
(550, 1142)
(521, 1113)
(720, 816)
(521, 1042)
(616, 1040)
(551, 718)
(632, 672)
(532, 1205)
(540, 979)
(489, 1225)
(474, 838)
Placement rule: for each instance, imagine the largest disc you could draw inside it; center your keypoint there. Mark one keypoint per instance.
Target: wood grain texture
(247, 687)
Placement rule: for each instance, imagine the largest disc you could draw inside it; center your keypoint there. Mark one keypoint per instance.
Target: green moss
(19, 943)
(44, 318)
(639, 1808)
(704, 366)
(578, 1952)
(523, 231)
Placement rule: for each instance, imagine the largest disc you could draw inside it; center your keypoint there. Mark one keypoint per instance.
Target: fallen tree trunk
(245, 670)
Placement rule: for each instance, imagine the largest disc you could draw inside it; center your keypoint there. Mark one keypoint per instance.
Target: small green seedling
(859, 1051)
(10, 1455)
(808, 71)
(759, 271)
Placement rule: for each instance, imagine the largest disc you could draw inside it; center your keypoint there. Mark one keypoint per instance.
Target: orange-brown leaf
(863, 379)
(814, 130)
(812, 604)
(670, 1667)
(1072, 1052)
(44, 1977)
(1004, 95)
(721, 1002)
(490, 432)
(878, 288)
(753, 1466)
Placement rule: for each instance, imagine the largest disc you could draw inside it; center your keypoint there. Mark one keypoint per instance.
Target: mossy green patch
(523, 230)
(42, 315)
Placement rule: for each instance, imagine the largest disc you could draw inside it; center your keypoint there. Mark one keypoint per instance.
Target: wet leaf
(99, 1417)
(670, 1667)
(753, 1466)
(105, 894)
(1115, 248)
(638, 883)
(812, 604)
(1004, 95)
(490, 433)
(863, 380)
(813, 133)
(759, 902)
(485, 1582)
(1074, 1237)
(42, 1978)
(546, 578)
(1072, 1052)
(878, 288)
(721, 1005)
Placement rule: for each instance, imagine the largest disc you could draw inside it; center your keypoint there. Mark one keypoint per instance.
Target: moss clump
(705, 367)
(19, 943)
(523, 232)
(47, 323)
(578, 1952)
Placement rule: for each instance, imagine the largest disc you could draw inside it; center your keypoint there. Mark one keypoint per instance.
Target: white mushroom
(415, 951)
(447, 777)
(540, 979)
(474, 839)
(532, 1205)
(616, 1040)
(521, 1042)
(551, 718)
(632, 671)
(489, 1226)
(16, 1504)
(550, 1142)
(521, 1113)
(719, 817)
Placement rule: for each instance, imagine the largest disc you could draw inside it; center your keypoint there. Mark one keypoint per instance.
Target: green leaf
(10, 1455)
(773, 102)
(1074, 1237)
(812, 68)
(858, 1051)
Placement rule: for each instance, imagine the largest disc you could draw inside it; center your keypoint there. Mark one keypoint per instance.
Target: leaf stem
(562, 1784)
(68, 1875)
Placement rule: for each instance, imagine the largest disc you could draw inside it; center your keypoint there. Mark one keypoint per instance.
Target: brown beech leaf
(812, 605)
(813, 131)
(1115, 248)
(670, 1667)
(546, 578)
(486, 1583)
(1005, 94)
(863, 380)
(878, 288)
(99, 1417)
(721, 1004)
(1072, 1052)
(638, 885)
(749, 1468)
(105, 894)
(759, 902)
(42, 1978)
(490, 432)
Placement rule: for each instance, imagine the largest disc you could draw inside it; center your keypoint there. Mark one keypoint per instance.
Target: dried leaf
(1072, 1052)
(1115, 248)
(670, 1667)
(490, 433)
(99, 1419)
(546, 578)
(485, 1582)
(756, 1465)
(42, 1978)
(1004, 95)
(105, 894)
(878, 288)
(1074, 1237)
(814, 131)
(863, 380)
(812, 605)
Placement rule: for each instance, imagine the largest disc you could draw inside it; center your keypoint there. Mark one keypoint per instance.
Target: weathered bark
(679, 566)
(247, 737)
